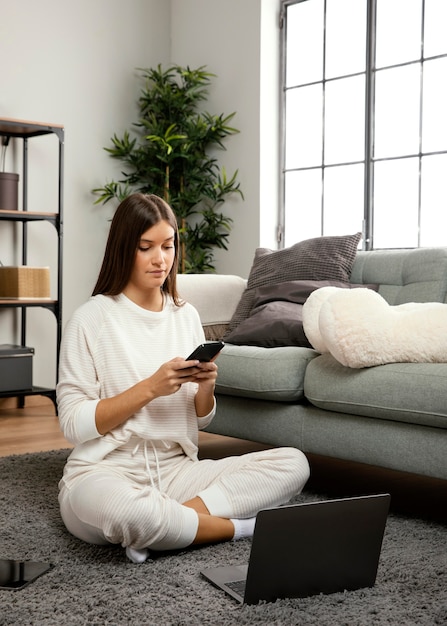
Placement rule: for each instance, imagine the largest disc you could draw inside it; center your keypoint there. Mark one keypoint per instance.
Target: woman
(132, 406)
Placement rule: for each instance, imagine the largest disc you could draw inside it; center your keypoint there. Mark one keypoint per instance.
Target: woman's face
(154, 257)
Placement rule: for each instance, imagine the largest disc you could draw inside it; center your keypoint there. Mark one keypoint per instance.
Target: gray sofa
(393, 416)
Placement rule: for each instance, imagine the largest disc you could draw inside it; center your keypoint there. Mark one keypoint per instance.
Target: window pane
(435, 24)
(397, 111)
(408, 113)
(345, 120)
(343, 199)
(396, 192)
(434, 201)
(302, 206)
(304, 119)
(398, 31)
(304, 49)
(434, 108)
(345, 38)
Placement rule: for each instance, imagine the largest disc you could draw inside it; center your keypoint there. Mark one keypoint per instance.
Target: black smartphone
(18, 574)
(206, 351)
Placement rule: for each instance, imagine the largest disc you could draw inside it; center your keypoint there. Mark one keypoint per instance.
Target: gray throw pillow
(276, 318)
(271, 325)
(321, 258)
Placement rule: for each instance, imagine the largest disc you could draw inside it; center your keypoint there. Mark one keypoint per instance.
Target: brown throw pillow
(321, 258)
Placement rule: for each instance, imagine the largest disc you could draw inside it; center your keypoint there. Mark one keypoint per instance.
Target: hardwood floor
(35, 428)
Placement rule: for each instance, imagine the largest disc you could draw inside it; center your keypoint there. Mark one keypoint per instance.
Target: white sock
(137, 556)
(243, 527)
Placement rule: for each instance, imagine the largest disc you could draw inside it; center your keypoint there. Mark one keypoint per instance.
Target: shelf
(28, 216)
(41, 302)
(23, 128)
(34, 391)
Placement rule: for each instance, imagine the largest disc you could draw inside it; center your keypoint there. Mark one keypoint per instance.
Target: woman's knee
(76, 526)
(298, 465)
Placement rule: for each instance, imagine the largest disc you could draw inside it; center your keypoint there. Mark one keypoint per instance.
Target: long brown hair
(133, 217)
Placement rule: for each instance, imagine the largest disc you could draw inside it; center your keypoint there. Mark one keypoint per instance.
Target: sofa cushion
(263, 373)
(404, 392)
(418, 275)
(321, 258)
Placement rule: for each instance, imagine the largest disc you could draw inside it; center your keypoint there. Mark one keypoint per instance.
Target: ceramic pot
(9, 191)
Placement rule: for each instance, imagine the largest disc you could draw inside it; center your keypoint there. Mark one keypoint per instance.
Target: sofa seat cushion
(414, 393)
(263, 373)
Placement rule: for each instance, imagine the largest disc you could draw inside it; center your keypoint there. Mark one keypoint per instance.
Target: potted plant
(172, 155)
(9, 183)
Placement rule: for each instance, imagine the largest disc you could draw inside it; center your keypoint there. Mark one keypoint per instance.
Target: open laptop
(305, 549)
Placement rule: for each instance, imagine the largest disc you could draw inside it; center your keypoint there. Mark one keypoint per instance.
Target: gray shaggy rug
(98, 585)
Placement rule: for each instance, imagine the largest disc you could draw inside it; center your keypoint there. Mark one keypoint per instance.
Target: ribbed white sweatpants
(138, 504)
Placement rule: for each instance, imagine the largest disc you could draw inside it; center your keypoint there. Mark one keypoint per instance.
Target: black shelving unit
(26, 130)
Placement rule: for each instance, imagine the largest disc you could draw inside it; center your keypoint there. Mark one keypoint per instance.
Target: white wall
(73, 62)
(238, 41)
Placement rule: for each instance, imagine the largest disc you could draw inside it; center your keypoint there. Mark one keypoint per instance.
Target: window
(365, 121)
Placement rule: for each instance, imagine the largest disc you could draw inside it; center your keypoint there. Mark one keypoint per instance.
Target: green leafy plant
(172, 154)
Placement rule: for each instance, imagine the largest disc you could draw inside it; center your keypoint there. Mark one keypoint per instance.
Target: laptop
(306, 549)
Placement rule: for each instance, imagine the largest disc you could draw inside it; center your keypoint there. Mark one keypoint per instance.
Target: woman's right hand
(171, 376)
(167, 380)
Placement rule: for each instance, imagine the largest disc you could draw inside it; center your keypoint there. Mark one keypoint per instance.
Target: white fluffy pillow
(360, 329)
(311, 316)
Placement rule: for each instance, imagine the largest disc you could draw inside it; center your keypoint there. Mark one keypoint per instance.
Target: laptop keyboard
(238, 586)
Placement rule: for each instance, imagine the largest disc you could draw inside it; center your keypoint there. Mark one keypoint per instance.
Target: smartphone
(18, 574)
(206, 351)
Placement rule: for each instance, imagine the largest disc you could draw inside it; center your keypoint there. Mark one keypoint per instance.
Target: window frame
(369, 159)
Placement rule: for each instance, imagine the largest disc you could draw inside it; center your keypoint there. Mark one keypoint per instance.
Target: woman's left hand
(205, 376)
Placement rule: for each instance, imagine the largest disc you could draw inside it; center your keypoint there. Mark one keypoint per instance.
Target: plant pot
(9, 191)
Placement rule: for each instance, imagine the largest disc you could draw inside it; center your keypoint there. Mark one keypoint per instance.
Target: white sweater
(109, 345)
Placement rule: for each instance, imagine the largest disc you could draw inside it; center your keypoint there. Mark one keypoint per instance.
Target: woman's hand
(171, 376)
(205, 377)
(167, 380)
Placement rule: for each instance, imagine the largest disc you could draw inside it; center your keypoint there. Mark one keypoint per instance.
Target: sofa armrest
(215, 296)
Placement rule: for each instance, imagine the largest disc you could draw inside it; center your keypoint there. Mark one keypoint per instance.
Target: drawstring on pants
(147, 462)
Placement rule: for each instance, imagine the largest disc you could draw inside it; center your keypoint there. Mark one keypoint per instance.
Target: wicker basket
(24, 282)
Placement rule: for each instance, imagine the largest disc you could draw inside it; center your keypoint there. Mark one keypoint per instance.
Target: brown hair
(133, 217)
